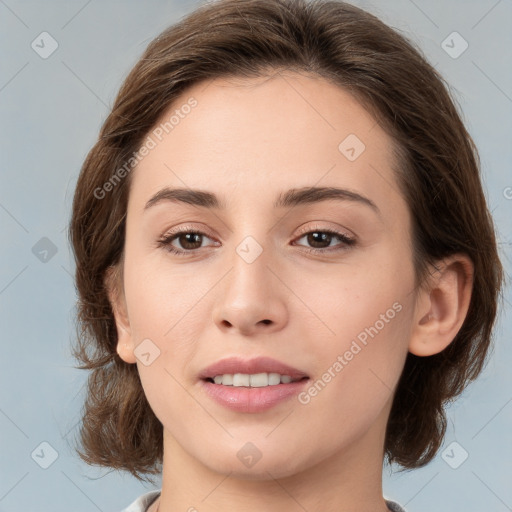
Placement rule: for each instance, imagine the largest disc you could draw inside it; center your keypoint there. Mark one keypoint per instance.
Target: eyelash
(166, 240)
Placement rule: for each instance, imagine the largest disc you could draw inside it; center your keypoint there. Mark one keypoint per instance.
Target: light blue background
(51, 111)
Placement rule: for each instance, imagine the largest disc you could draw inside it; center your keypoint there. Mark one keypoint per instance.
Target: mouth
(254, 373)
(252, 386)
(254, 380)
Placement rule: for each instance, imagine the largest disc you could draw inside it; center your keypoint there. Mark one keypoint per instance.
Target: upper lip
(232, 365)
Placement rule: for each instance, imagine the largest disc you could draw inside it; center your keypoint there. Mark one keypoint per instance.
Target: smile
(255, 380)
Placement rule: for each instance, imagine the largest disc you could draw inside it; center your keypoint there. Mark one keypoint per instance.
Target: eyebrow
(292, 197)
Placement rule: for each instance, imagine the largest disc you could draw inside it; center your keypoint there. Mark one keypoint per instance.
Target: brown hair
(438, 175)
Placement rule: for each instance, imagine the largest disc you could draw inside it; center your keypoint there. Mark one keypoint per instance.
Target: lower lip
(251, 400)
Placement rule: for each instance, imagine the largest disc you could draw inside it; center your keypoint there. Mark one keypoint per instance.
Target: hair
(438, 175)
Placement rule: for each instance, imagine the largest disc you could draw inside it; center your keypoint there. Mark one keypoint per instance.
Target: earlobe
(442, 306)
(113, 285)
(125, 351)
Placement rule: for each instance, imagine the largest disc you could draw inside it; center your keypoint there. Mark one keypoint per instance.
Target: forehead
(250, 137)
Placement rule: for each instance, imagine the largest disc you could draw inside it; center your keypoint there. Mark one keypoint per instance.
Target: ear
(441, 306)
(114, 285)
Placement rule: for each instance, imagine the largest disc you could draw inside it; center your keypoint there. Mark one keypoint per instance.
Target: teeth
(274, 379)
(229, 380)
(240, 379)
(255, 380)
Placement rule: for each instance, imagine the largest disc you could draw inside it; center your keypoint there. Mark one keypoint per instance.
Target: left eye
(318, 239)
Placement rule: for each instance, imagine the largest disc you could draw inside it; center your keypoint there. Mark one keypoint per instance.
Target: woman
(285, 262)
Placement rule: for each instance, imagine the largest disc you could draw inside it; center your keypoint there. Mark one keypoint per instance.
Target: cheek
(358, 371)
(344, 300)
(166, 305)
(162, 297)
(363, 328)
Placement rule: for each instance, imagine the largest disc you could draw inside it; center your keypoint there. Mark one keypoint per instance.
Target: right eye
(189, 239)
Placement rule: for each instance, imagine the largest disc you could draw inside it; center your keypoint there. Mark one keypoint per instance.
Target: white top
(142, 503)
(145, 501)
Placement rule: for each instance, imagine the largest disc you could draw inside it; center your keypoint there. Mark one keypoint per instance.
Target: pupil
(318, 237)
(189, 239)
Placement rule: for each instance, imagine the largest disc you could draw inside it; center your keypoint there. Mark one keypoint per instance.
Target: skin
(247, 140)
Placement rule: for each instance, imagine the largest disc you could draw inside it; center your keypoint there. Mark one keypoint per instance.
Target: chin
(249, 463)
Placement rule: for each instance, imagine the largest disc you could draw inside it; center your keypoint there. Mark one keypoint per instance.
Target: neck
(349, 479)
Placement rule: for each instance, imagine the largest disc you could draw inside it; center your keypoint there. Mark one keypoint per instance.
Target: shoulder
(394, 507)
(142, 503)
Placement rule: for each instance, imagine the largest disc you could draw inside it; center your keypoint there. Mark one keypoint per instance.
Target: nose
(252, 298)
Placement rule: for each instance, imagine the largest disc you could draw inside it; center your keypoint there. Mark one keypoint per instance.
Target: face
(320, 282)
